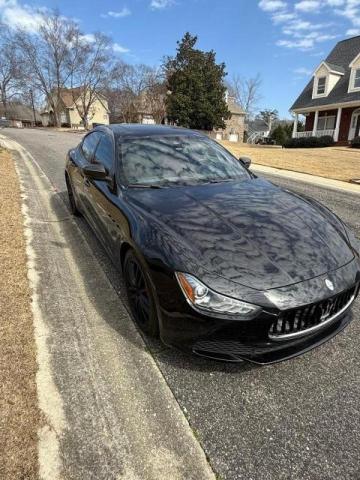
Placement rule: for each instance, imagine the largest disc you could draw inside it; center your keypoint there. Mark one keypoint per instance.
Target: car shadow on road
(161, 353)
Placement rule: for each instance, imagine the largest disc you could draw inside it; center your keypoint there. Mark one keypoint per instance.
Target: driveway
(295, 420)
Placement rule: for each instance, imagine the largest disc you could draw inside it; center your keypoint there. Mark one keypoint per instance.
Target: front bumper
(237, 340)
(271, 352)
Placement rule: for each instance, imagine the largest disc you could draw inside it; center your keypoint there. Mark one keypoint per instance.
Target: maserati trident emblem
(329, 284)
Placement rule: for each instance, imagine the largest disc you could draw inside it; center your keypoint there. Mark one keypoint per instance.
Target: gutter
(326, 107)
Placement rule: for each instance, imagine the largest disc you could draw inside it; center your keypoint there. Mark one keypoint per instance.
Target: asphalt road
(299, 419)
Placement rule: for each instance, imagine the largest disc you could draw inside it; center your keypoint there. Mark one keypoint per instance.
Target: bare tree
(155, 96)
(135, 89)
(136, 82)
(120, 96)
(269, 116)
(46, 54)
(246, 92)
(156, 101)
(90, 67)
(11, 69)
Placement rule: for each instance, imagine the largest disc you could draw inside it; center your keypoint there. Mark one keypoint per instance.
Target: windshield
(184, 160)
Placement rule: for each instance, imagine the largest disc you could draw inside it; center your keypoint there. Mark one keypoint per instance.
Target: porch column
(315, 123)
(337, 126)
(295, 125)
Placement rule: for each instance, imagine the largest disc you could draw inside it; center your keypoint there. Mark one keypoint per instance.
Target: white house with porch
(331, 100)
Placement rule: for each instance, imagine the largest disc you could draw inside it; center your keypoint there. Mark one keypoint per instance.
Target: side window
(89, 144)
(105, 152)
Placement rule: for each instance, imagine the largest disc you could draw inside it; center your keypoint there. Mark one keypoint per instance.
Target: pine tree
(196, 89)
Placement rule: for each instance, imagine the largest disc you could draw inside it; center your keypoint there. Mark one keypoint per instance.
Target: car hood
(250, 232)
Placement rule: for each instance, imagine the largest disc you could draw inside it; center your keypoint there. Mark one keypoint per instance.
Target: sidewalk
(305, 177)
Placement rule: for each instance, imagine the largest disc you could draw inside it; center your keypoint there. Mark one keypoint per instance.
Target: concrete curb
(306, 178)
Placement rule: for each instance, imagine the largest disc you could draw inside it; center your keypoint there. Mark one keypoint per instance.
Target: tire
(140, 295)
(72, 200)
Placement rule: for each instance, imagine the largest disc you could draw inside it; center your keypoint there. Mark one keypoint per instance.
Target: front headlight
(208, 302)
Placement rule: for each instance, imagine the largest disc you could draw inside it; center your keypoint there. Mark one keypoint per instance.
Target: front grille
(300, 321)
(223, 346)
(229, 350)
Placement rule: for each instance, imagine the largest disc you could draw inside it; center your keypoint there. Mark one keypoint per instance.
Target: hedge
(310, 142)
(355, 143)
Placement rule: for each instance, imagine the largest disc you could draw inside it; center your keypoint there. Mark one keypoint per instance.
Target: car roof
(140, 130)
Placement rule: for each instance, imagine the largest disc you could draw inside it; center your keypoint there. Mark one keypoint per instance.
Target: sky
(282, 40)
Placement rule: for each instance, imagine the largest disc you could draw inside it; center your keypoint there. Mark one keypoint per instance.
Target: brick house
(235, 125)
(331, 100)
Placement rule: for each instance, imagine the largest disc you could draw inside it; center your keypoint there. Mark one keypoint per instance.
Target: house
(235, 125)
(331, 100)
(257, 130)
(70, 105)
(20, 115)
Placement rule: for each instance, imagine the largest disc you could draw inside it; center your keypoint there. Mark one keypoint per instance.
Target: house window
(321, 85)
(326, 123)
(357, 78)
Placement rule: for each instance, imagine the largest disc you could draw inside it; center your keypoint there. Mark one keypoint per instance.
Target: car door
(102, 193)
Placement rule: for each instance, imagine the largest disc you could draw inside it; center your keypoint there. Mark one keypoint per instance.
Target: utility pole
(33, 107)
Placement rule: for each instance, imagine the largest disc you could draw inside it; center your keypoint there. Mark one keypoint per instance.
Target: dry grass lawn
(19, 417)
(338, 163)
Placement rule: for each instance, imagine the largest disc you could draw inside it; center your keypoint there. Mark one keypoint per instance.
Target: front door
(355, 125)
(86, 151)
(101, 195)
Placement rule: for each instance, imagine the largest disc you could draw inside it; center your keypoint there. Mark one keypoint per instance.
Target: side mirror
(95, 171)
(246, 161)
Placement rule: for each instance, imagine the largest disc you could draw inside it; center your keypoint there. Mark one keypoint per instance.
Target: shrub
(310, 142)
(326, 141)
(355, 143)
(279, 135)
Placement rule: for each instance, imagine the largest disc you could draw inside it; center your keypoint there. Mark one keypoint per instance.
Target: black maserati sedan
(215, 260)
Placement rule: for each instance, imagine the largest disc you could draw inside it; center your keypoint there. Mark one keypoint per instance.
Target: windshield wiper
(221, 181)
(143, 185)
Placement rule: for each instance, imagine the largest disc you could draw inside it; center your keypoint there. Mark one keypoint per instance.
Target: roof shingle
(19, 111)
(339, 59)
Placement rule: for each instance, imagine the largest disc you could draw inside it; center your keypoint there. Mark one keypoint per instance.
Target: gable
(338, 61)
(322, 70)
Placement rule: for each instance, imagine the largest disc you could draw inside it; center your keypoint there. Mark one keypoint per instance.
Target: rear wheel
(72, 201)
(140, 296)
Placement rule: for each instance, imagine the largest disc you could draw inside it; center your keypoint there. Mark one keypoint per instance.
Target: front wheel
(140, 297)
(72, 201)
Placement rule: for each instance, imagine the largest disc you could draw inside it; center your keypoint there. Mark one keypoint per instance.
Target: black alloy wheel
(140, 297)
